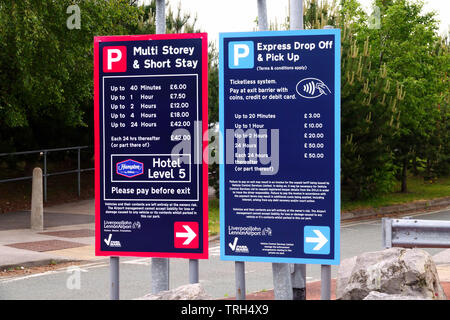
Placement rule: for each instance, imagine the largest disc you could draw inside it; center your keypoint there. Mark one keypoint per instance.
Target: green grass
(417, 190)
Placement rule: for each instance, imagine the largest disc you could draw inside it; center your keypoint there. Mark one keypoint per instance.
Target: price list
(314, 136)
(150, 103)
(146, 117)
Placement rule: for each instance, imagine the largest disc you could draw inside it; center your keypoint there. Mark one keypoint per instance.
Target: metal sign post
(150, 122)
(193, 271)
(239, 271)
(263, 24)
(160, 16)
(114, 278)
(160, 274)
(325, 283)
(282, 281)
(160, 266)
(299, 270)
(296, 14)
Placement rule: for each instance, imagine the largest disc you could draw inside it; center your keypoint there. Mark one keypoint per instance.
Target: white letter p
(244, 53)
(111, 59)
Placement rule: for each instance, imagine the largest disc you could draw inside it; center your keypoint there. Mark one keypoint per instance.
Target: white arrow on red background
(189, 235)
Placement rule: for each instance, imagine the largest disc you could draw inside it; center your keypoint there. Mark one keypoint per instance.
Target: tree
(46, 78)
(435, 148)
(406, 43)
(369, 101)
(394, 92)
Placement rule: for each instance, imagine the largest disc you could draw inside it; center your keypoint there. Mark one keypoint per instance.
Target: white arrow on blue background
(321, 240)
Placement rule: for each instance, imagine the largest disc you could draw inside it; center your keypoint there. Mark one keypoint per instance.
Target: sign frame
(203, 167)
(235, 36)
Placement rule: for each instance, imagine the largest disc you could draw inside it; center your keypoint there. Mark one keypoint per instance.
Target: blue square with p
(241, 55)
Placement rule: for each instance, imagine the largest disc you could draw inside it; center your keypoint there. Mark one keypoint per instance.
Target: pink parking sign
(151, 116)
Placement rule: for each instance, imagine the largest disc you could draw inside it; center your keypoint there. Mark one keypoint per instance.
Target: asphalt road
(91, 281)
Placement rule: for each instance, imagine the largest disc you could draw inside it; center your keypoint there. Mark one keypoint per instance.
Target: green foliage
(46, 78)
(369, 119)
(369, 101)
(46, 92)
(394, 107)
(417, 61)
(419, 189)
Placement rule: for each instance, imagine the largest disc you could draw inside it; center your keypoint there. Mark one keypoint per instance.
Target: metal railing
(412, 233)
(45, 174)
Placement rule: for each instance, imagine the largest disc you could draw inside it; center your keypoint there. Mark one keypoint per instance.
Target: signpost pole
(296, 14)
(239, 266)
(193, 271)
(282, 282)
(160, 16)
(114, 277)
(262, 16)
(160, 275)
(281, 278)
(160, 266)
(325, 270)
(299, 270)
(298, 276)
(239, 270)
(325, 286)
(281, 275)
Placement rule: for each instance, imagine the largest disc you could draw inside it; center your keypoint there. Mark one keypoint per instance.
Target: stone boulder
(186, 292)
(394, 271)
(375, 295)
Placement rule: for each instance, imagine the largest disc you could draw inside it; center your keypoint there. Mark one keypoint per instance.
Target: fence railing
(45, 173)
(412, 233)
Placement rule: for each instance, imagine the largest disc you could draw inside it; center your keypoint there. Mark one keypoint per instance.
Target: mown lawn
(418, 189)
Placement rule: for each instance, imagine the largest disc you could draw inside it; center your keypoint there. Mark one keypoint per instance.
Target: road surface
(91, 281)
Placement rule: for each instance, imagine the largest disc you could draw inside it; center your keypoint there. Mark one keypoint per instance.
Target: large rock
(375, 295)
(394, 271)
(344, 274)
(186, 292)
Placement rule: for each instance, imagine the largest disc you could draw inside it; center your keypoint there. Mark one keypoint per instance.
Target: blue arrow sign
(317, 240)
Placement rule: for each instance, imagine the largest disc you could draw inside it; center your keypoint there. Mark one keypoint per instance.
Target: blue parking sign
(241, 55)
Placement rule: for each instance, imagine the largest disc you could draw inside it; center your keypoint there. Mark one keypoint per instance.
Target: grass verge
(418, 189)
